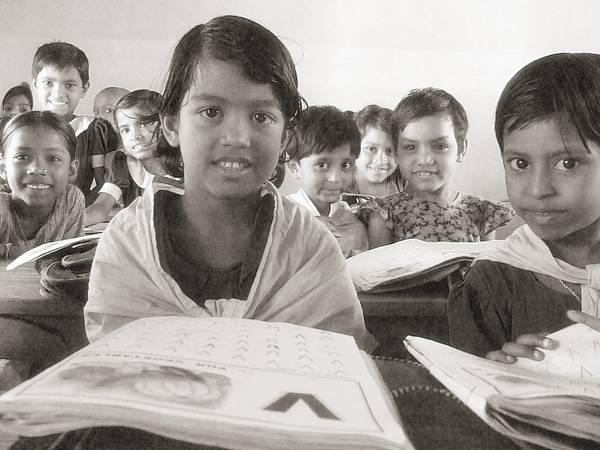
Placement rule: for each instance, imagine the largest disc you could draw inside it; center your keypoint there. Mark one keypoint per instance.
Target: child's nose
(37, 167)
(540, 184)
(424, 156)
(58, 90)
(236, 132)
(334, 175)
(381, 157)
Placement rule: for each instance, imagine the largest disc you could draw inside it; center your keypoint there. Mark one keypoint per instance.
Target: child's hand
(586, 319)
(526, 346)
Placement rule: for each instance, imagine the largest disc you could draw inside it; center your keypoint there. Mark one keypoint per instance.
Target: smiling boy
(323, 153)
(60, 73)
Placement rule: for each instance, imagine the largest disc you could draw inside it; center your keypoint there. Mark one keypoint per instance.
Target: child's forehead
(37, 139)
(68, 72)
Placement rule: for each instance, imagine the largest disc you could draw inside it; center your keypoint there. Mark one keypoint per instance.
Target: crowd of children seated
(204, 231)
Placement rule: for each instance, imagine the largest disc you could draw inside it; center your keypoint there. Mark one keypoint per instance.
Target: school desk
(34, 327)
(431, 417)
(417, 311)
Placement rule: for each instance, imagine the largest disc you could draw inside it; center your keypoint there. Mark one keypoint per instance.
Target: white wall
(349, 52)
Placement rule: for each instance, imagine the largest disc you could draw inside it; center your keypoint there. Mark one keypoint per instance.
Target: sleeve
(75, 213)
(375, 206)
(117, 170)
(494, 215)
(477, 317)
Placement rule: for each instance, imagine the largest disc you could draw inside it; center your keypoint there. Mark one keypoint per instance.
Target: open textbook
(553, 403)
(410, 262)
(52, 247)
(233, 383)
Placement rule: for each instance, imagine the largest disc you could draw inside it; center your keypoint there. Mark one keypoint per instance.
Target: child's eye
(46, 83)
(322, 165)
(347, 165)
(409, 148)
(370, 149)
(70, 86)
(108, 110)
(440, 147)
(389, 152)
(20, 157)
(263, 118)
(123, 130)
(210, 113)
(566, 164)
(54, 159)
(518, 164)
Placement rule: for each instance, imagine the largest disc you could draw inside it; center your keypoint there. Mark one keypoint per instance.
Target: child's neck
(215, 232)
(580, 248)
(443, 196)
(365, 186)
(154, 166)
(29, 219)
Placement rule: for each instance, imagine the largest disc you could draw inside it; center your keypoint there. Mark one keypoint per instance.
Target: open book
(234, 383)
(52, 247)
(410, 262)
(553, 403)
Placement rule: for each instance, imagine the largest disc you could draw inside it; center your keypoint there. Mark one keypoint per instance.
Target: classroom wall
(349, 53)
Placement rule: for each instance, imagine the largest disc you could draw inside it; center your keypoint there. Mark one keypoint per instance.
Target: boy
(105, 101)
(322, 152)
(60, 73)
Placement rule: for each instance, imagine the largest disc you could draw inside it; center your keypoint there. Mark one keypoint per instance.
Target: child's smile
(552, 181)
(38, 166)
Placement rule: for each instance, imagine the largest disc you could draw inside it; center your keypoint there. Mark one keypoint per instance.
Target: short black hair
(562, 85)
(322, 129)
(61, 55)
(374, 116)
(425, 102)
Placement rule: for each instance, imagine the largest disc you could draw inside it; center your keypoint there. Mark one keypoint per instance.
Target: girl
(229, 245)
(377, 174)
(130, 170)
(17, 99)
(38, 148)
(430, 127)
(547, 128)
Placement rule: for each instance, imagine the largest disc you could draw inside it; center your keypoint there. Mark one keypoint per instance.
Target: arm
(378, 232)
(99, 211)
(99, 177)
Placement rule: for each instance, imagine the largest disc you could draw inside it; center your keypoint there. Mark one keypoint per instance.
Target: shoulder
(81, 123)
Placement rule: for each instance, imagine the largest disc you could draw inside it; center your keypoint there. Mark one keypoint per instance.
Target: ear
(169, 126)
(34, 83)
(73, 168)
(85, 89)
(462, 150)
(294, 167)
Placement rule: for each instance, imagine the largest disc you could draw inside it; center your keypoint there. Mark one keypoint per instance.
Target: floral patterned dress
(467, 219)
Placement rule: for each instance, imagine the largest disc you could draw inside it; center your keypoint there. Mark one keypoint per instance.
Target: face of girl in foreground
(38, 165)
(553, 183)
(229, 129)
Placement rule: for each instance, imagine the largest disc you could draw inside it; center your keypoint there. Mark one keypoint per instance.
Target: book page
(571, 369)
(232, 371)
(407, 258)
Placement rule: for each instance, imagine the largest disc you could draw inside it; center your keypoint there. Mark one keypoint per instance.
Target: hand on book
(526, 346)
(586, 319)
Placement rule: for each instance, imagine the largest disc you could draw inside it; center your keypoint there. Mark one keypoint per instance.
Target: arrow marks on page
(285, 403)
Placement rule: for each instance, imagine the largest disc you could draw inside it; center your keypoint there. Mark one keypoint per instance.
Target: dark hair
(40, 119)
(425, 102)
(322, 129)
(374, 116)
(148, 104)
(564, 85)
(261, 55)
(61, 55)
(15, 91)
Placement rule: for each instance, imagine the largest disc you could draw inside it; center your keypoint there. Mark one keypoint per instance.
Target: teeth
(37, 186)
(232, 165)
(54, 102)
